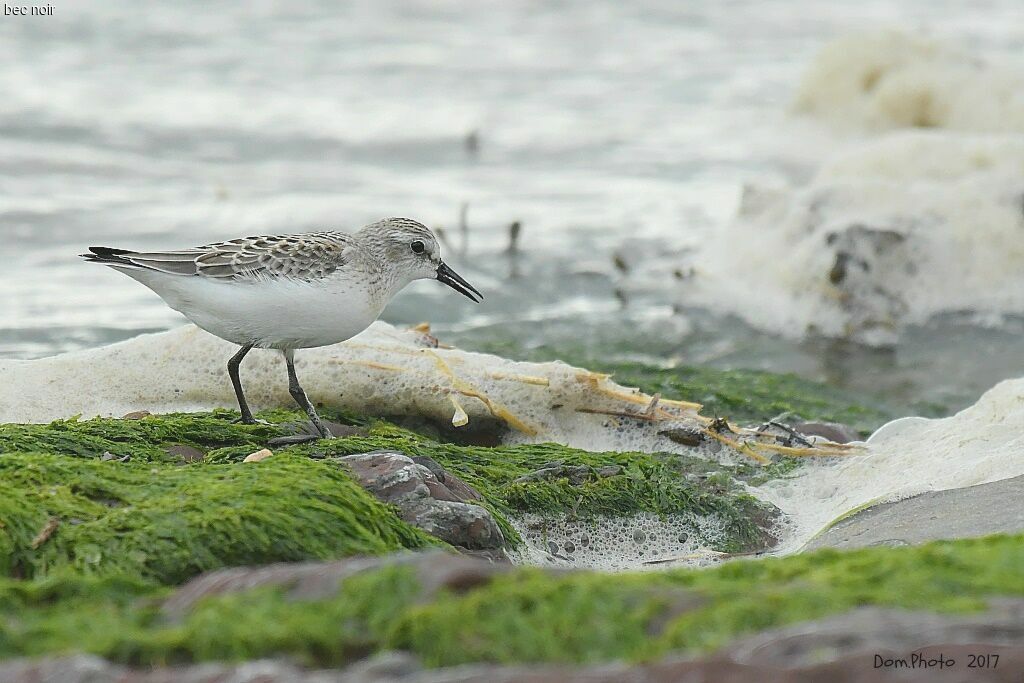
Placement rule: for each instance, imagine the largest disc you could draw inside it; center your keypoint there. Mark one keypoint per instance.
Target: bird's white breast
(272, 313)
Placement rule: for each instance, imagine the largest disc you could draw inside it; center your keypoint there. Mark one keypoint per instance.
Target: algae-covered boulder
(428, 498)
(169, 522)
(115, 495)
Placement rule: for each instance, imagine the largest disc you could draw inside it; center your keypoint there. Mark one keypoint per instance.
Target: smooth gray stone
(958, 513)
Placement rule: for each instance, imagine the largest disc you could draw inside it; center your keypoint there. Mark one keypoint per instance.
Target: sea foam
(890, 233)
(908, 456)
(892, 79)
(385, 371)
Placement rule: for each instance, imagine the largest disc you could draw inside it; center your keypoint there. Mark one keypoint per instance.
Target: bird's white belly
(281, 314)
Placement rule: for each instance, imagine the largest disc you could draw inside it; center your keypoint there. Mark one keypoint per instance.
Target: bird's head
(412, 252)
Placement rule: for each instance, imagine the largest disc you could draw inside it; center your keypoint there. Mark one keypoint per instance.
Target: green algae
(738, 598)
(141, 439)
(663, 484)
(167, 523)
(753, 396)
(526, 615)
(659, 483)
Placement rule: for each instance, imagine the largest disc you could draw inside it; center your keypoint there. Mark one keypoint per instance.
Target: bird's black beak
(456, 282)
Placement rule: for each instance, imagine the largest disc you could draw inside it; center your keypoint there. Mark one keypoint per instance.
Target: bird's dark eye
(418, 247)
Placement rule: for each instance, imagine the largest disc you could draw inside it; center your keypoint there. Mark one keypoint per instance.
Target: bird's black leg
(300, 396)
(236, 360)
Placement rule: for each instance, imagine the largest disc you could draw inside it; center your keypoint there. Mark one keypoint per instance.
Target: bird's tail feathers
(109, 256)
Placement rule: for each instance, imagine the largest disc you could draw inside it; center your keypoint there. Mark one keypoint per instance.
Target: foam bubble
(613, 544)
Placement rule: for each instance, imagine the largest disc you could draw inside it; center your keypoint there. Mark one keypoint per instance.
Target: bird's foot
(296, 439)
(307, 432)
(325, 433)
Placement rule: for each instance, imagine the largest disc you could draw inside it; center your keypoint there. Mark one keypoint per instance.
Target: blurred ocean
(621, 135)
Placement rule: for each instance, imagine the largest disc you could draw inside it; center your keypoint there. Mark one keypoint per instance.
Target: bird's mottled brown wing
(307, 257)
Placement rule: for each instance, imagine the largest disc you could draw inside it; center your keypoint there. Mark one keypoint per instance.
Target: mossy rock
(150, 493)
(660, 483)
(141, 439)
(167, 523)
(523, 615)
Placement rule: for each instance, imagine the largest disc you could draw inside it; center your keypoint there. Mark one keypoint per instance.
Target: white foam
(888, 234)
(912, 455)
(891, 79)
(614, 544)
(383, 371)
(895, 226)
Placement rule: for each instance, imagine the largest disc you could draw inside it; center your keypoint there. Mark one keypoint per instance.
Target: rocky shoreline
(185, 546)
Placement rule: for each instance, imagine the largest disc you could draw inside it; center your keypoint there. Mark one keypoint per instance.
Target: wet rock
(435, 570)
(430, 464)
(461, 524)
(872, 629)
(185, 453)
(391, 476)
(840, 648)
(383, 666)
(460, 489)
(339, 430)
(833, 431)
(957, 513)
(492, 555)
(425, 500)
(91, 669)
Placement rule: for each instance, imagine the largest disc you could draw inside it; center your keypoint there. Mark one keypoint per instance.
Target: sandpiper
(289, 292)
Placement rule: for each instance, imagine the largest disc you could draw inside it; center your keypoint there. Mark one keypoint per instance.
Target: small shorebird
(289, 292)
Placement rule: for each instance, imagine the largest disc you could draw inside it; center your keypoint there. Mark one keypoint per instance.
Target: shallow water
(609, 129)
